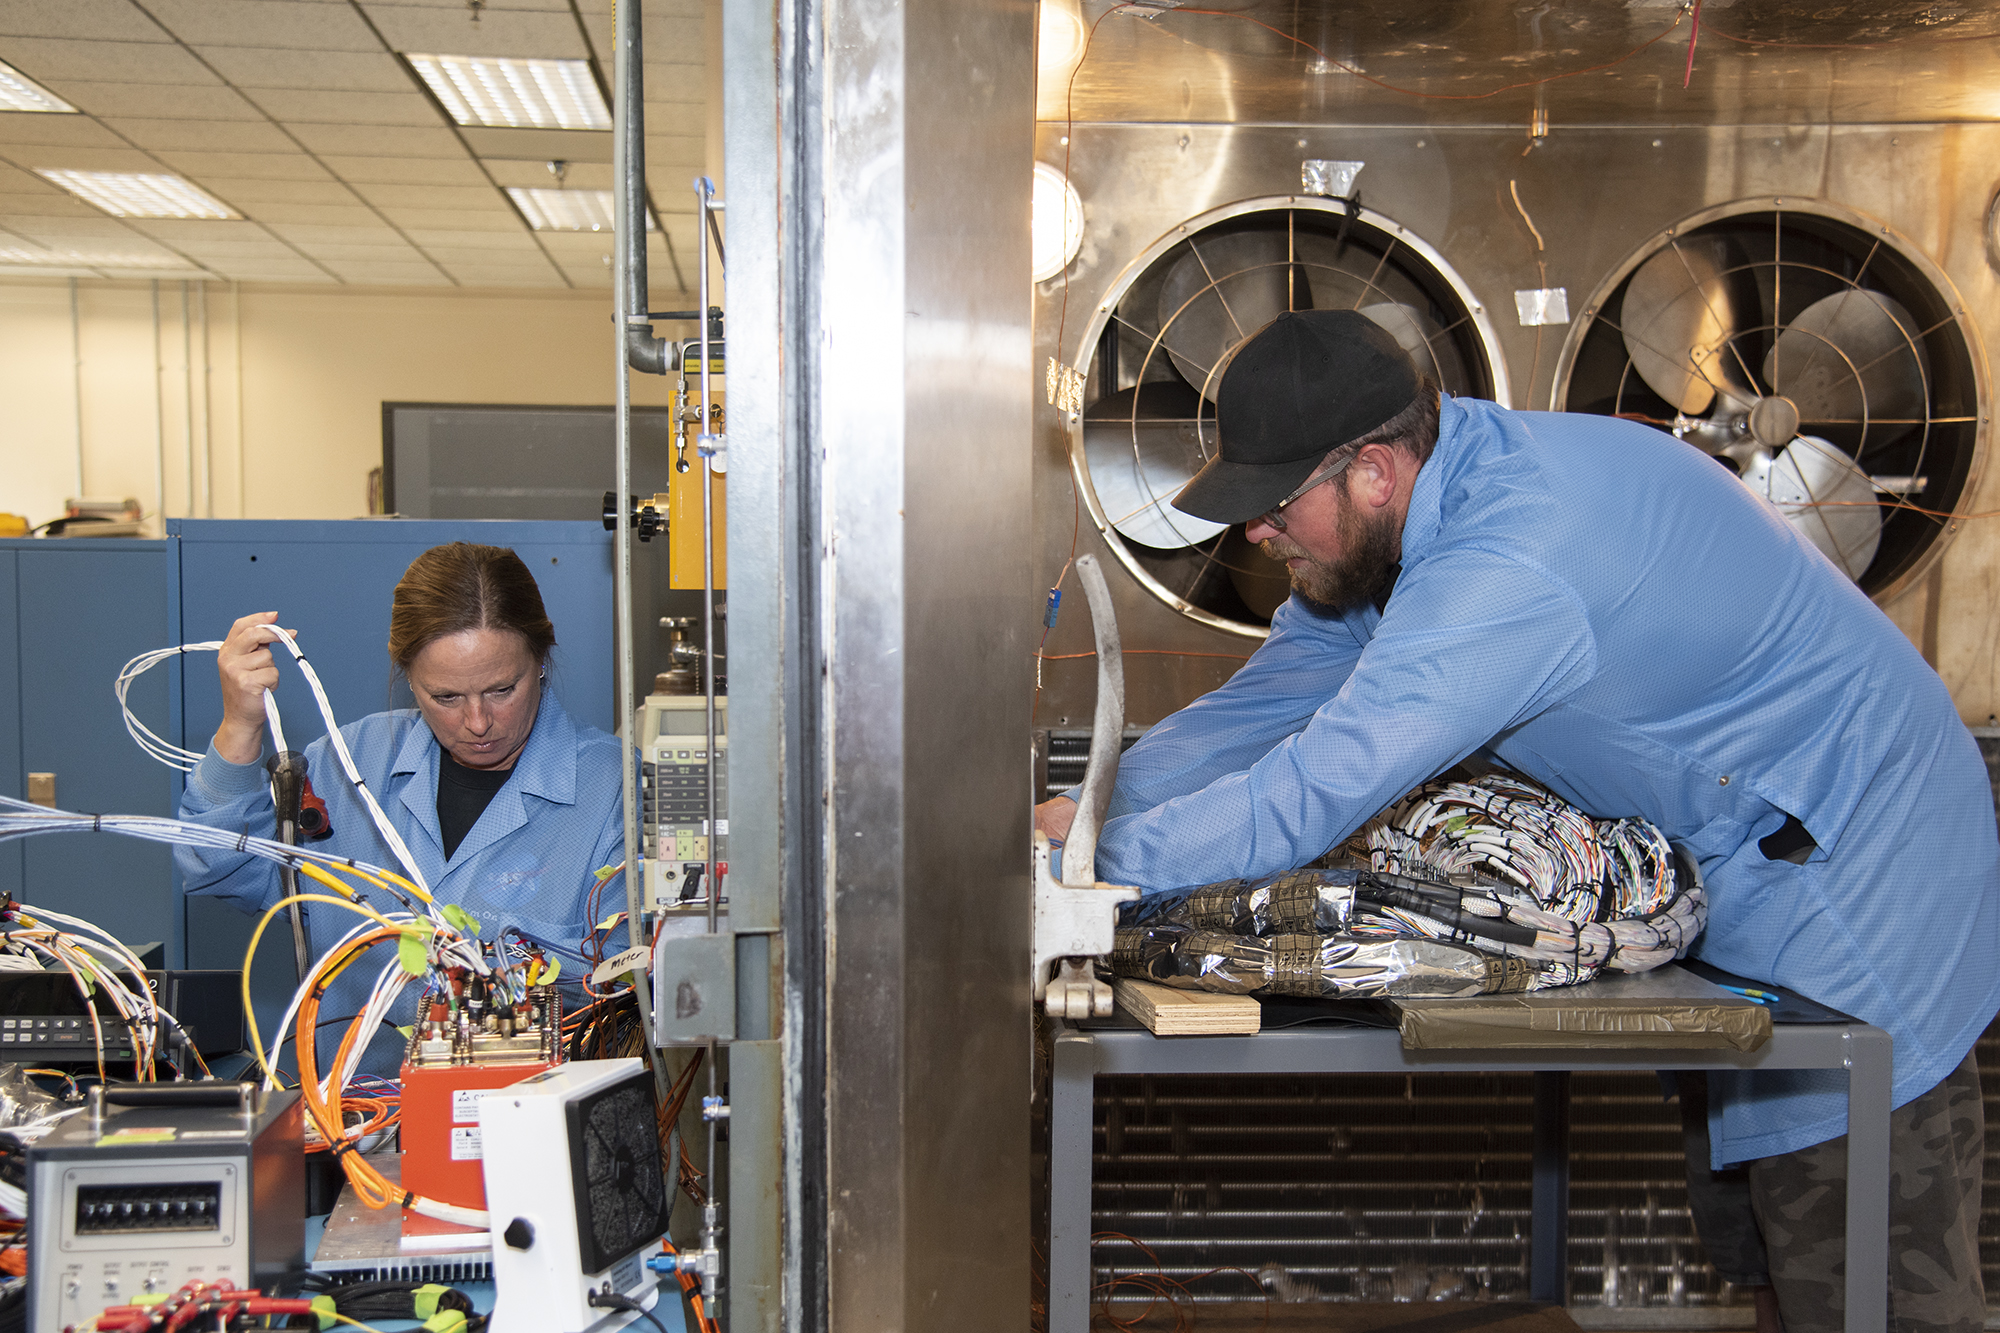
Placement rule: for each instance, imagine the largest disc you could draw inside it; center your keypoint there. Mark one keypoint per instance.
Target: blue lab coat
(1608, 611)
(527, 862)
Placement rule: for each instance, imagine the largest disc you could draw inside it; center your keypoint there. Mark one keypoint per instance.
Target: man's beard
(1370, 548)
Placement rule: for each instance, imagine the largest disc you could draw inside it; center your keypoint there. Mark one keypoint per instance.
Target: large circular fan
(1812, 353)
(1156, 352)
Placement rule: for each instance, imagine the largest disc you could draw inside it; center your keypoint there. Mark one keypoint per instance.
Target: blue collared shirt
(527, 862)
(1608, 611)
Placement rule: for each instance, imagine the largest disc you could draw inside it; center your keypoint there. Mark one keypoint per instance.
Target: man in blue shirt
(1604, 609)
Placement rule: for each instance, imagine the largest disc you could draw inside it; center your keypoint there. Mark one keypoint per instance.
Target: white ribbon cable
(339, 743)
(271, 719)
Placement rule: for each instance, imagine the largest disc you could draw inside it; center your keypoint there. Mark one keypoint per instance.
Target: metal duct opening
(1160, 341)
(1810, 351)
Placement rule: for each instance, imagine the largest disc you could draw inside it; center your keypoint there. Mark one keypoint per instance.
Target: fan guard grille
(1160, 340)
(1811, 350)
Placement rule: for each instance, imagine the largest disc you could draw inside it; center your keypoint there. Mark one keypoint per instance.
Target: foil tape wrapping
(1336, 966)
(1316, 901)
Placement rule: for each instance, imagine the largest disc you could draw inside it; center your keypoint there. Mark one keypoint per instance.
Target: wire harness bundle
(1596, 893)
(1471, 888)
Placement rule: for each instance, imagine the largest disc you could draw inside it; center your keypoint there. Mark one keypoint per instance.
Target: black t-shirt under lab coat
(462, 796)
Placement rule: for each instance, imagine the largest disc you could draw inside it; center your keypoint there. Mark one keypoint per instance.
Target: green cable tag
(323, 1307)
(411, 953)
(445, 1321)
(424, 1300)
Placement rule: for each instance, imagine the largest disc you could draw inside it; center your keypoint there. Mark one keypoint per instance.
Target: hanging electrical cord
(185, 760)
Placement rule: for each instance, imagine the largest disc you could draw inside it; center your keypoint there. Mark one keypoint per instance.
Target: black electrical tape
(1440, 902)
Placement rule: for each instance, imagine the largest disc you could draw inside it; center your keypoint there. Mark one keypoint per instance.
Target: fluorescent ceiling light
(18, 92)
(138, 194)
(567, 210)
(20, 255)
(521, 94)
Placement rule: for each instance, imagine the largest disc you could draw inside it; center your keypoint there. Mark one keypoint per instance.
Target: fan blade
(1221, 292)
(1411, 331)
(1852, 356)
(1820, 491)
(1677, 322)
(1141, 446)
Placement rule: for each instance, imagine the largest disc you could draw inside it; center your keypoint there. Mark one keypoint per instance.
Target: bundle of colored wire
(185, 760)
(323, 1102)
(94, 960)
(1596, 893)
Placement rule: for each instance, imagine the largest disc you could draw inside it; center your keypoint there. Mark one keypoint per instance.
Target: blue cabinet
(73, 612)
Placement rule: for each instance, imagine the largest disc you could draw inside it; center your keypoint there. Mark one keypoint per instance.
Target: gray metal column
(881, 386)
(1072, 1088)
(776, 1239)
(926, 389)
(1868, 1096)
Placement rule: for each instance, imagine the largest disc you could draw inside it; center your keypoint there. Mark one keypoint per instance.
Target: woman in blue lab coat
(507, 805)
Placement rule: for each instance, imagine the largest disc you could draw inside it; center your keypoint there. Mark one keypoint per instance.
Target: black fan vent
(621, 1191)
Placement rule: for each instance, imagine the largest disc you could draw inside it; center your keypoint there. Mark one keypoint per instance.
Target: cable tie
(97, 823)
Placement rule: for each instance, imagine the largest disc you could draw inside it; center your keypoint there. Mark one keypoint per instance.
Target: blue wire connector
(1055, 605)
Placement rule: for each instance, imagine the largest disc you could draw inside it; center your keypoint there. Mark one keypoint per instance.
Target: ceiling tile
(536, 175)
(13, 180)
(390, 274)
(247, 190)
(550, 34)
(47, 60)
(509, 277)
(496, 143)
(338, 71)
(97, 228)
(292, 166)
(157, 101)
(27, 127)
(109, 20)
(80, 159)
(375, 7)
(455, 257)
(45, 206)
(371, 108)
(297, 270)
(280, 24)
(379, 140)
(499, 218)
(433, 239)
(204, 136)
(306, 235)
(325, 215)
(182, 232)
(328, 253)
(479, 196)
(417, 170)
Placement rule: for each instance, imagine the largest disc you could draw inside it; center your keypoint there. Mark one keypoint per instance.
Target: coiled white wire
(185, 760)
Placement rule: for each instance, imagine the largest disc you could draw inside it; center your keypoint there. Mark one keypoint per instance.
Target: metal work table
(1119, 1045)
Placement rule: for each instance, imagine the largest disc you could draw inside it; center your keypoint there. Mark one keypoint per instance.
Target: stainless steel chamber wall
(1599, 195)
(1382, 1187)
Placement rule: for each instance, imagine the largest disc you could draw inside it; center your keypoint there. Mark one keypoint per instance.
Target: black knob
(520, 1234)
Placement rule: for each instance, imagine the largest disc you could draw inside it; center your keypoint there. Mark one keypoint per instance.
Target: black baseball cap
(1306, 382)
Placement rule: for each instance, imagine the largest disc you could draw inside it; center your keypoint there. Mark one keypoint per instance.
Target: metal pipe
(76, 355)
(1107, 731)
(625, 73)
(187, 385)
(704, 192)
(159, 417)
(641, 349)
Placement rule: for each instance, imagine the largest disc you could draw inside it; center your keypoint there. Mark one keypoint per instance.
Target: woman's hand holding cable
(247, 671)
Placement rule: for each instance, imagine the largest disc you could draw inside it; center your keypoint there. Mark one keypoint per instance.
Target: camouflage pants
(1799, 1200)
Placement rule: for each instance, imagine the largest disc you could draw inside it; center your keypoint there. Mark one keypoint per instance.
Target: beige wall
(271, 407)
